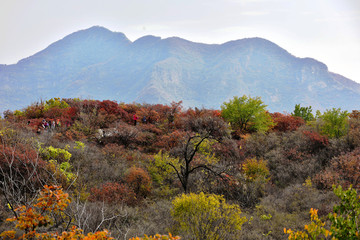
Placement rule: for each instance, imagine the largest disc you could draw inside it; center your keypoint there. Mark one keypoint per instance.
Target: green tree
(303, 112)
(334, 122)
(247, 114)
(55, 102)
(207, 216)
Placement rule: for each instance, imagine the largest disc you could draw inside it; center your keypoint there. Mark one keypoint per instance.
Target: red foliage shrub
(317, 141)
(21, 155)
(171, 140)
(111, 107)
(113, 192)
(163, 111)
(71, 113)
(147, 115)
(216, 113)
(286, 122)
(21, 164)
(34, 111)
(112, 111)
(55, 112)
(34, 124)
(130, 110)
(294, 154)
(168, 113)
(344, 170)
(139, 181)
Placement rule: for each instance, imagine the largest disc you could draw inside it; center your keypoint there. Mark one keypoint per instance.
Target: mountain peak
(95, 40)
(99, 31)
(148, 39)
(102, 64)
(97, 28)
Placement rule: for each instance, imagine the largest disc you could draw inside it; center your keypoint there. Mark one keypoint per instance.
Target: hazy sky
(327, 30)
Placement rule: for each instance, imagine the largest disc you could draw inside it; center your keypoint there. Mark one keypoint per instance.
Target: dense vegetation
(90, 169)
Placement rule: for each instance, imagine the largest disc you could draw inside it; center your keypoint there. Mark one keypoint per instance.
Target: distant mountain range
(99, 64)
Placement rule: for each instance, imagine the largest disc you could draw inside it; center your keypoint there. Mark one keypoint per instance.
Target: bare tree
(200, 129)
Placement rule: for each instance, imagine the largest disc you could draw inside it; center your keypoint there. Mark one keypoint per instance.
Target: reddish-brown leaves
(286, 122)
(113, 192)
(139, 181)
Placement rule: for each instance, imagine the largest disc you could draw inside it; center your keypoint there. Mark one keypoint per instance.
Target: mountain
(100, 64)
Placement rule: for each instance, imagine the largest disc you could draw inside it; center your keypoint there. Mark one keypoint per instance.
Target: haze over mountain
(99, 64)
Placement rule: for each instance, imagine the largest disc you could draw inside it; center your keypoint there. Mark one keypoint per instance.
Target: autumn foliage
(50, 204)
(125, 165)
(139, 181)
(343, 170)
(113, 193)
(286, 122)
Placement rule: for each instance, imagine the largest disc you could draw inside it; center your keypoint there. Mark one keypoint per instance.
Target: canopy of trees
(247, 114)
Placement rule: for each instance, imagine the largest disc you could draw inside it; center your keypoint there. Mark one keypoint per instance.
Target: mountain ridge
(102, 64)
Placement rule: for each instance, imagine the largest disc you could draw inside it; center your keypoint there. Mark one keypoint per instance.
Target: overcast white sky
(327, 30)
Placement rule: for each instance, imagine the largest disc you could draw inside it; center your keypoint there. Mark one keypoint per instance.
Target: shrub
(354, 128)
(303, 112)
(139, 181)
(124, 134)
(23, 173)
(115, 193)
(162, 174)
(335, 123)
(51, 153)
(207, 216)
(48, 212)
(343, 170)
(344, 219)
(317, 141)
(255, 170)
(285, 122)
(247, 114)
(257, 145)
(171, 140)
(288, 207)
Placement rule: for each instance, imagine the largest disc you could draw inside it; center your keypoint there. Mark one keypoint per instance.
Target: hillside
(196, 173)
(99, 64)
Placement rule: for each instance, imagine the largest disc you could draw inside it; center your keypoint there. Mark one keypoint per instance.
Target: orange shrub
(139, 181)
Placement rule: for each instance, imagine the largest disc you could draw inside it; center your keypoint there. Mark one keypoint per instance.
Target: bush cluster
(152, 169)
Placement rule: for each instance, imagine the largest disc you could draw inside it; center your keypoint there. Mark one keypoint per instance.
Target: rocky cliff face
(99, 64)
